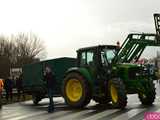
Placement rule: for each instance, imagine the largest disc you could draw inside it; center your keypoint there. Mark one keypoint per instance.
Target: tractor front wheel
(148, 95)
(76, 90)
(117, 93)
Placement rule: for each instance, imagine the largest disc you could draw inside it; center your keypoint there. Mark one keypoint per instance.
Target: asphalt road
(27, 111)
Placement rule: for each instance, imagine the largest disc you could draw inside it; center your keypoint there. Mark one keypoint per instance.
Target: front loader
(106, 73)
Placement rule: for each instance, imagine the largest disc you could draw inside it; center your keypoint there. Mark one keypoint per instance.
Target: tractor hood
(147, 68)
(127, 70)
(128, 65)
(132, 71)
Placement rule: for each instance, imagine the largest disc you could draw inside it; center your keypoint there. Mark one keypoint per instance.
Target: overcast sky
(66, 25)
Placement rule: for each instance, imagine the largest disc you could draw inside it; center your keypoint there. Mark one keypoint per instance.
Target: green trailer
(33, 81)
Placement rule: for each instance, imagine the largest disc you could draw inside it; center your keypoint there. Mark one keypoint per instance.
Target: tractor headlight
(137, 74)
(149, 69)
(134, 73)
(145, 69)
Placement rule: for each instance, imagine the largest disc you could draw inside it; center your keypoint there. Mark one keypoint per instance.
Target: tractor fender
(84, 72)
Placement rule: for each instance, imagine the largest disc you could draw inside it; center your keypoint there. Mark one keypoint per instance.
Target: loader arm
(135, 44)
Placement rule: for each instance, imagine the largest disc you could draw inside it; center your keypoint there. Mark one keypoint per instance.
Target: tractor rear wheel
(76, 90)
(117, 93)
(148, 95)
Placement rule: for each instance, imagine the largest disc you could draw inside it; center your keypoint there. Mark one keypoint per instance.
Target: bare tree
(20, 49)
(3, 43)
(5, 55)
(28, 48)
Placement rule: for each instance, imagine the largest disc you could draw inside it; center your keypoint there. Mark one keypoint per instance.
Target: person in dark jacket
(49, 77)
(19, 88)
(8, 86)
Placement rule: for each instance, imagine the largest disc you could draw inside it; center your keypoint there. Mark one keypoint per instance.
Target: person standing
(19, 88)
(8, 86)
(1, 88)
(49, 77)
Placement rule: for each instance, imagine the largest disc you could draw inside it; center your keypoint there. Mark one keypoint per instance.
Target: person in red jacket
(1, 88)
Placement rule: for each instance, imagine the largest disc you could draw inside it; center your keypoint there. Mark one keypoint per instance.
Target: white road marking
(73, 115)
(26, 115)
(129, 114)
(101, 114)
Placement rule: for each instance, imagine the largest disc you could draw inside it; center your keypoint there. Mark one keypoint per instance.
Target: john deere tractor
(106, 73)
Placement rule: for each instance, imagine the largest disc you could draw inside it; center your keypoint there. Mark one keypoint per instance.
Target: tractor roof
(97, 47)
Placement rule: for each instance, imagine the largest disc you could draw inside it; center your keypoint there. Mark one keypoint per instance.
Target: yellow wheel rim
(114, 94)
(74, 90)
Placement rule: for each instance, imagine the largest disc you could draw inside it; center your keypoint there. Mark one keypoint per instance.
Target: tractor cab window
(90, 58)
(83, 59)
(110, 55)
(107, 55)
(86, 58)
(103, 59)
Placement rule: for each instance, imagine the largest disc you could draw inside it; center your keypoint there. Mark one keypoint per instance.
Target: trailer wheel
(76, 90)
(36, 99)
(147, 97)
(117, 93)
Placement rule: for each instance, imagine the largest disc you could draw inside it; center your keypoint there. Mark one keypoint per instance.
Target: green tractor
(106, 73)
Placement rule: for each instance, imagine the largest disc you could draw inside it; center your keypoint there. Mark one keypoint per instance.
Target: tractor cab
(103, 54)
(98, 61)
(97, 57)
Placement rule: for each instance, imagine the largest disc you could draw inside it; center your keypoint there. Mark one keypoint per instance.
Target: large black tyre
(36, 99)
(85, 92)
(117, 93)
(148, 95)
